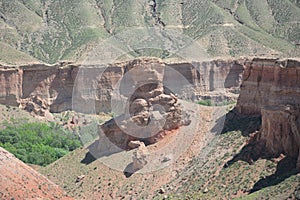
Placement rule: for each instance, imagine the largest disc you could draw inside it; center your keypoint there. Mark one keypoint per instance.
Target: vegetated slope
(230, 169)
(19, 181)
(15, 115)
(222, 169)
(105, 177)
(56, 30)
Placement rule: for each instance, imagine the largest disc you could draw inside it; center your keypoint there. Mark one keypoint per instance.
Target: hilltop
(50, 31)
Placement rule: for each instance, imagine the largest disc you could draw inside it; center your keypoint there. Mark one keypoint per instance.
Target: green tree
(38, 143)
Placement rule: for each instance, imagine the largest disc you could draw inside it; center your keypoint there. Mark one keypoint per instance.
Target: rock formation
(269, 82)
(139, 158)
(280, 130)
(40, 87)
(271, 88)
(149, 109)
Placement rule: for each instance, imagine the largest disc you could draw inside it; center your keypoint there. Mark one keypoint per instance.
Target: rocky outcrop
(218, 80)
(267, 86)
(280, 130)
(149, 108)
(269, 82)
(139, 158)
(39, 88)
(19, 181)
(271, 88)
(10, 85)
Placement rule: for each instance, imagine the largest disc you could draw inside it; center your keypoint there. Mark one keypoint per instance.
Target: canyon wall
(218, 80)
(271, 88)
(269, 82)
(10, 85)
(39, 87)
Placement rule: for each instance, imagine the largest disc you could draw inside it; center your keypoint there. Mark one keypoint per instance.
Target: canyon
(261, 86)
(271, 88)
(41, 87)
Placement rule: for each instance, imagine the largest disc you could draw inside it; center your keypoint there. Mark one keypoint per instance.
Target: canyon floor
(214, 166)
(225, 152)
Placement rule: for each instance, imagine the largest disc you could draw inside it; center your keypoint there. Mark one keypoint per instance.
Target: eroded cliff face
(40, 88)
(280, 132)
(269, 82)
(150, 108)
(271, 88)
(218, 80)
(10, 85)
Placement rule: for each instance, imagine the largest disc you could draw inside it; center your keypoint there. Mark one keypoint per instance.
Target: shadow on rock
(234, 121)
(285, 168)
(255, 150)
(98, 149)
(128, 171)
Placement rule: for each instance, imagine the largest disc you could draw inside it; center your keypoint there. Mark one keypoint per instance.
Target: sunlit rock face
(41, 88)
(269, 82)
(280, 131)
(271, 88)
(150, 109)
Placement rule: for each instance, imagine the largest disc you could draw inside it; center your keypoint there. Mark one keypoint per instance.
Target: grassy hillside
(50, 30)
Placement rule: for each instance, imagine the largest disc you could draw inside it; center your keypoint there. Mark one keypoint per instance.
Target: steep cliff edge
(40, 88)
(269, 82)
(271, 88)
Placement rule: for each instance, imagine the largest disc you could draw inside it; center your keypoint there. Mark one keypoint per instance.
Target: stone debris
(79, 178)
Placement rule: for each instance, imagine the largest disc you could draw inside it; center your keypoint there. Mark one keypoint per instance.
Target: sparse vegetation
(69, 29)
(218, 166)
(209, 102)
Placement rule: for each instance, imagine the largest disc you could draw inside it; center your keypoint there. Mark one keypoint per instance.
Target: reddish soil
(19, 181)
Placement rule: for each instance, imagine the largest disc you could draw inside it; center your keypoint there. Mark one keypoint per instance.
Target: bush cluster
(209, 102)
(38, 143)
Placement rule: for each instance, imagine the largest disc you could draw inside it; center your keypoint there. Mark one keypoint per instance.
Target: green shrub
(38, 143)
(206, 102)
(209, 102)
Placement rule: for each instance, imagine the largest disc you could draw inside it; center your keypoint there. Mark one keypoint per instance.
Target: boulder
(139, 157)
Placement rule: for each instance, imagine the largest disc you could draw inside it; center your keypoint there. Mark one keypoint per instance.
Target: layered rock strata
(149, 110)
(280, 130)
(269, 82)
(39, 87)
(271, 88)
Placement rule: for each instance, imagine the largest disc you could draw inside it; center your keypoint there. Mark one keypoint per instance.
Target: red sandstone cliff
(39, 87)
(269, 82)
(271, 88)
